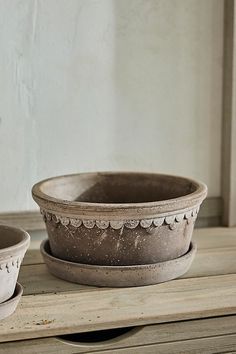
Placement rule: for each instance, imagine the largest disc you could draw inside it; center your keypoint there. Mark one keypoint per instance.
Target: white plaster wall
(108, 84)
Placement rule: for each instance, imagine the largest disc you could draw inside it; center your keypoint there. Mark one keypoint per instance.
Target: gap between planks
(173, 332)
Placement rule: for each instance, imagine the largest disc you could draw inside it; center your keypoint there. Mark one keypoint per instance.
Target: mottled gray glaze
(119, 247)
(118, 276)
(119, 218)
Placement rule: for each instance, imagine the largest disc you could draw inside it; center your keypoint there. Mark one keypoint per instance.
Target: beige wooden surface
(79, 311)
(28, 220)
(195, 330)
(224, 344)
(82, 308)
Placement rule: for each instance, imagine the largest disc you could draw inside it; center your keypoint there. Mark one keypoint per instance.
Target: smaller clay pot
(13, 245)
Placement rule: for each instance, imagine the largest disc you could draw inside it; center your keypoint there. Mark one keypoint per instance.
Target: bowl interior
(113, 188)
(10, 237)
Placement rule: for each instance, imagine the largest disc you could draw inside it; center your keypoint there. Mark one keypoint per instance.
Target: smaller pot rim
(67, 207)
(23, 244)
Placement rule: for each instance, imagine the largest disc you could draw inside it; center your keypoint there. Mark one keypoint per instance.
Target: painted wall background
(108, 85)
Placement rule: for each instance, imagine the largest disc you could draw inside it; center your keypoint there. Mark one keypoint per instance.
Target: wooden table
(193, 314)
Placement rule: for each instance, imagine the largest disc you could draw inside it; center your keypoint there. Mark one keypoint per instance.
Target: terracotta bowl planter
(13, 245)
(117, 218)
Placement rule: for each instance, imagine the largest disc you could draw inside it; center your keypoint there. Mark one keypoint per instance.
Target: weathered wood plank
(216, 237)
(28, 220)
(213, 345)
(32, 257)
(36, 279)
(161, 333)
(37, 316)
(208, 262)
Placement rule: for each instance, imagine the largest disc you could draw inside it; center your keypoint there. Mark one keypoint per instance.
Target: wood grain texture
(229, 117)
(224, 344)
(80, 311)
(32, 257)
(164, 333)
(28, 220)
(208, 289)
(211, 238)
(208, 262)
(36, 279)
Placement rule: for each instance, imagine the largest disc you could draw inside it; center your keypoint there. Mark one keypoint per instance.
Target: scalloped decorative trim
(10, 264)
(170, 220)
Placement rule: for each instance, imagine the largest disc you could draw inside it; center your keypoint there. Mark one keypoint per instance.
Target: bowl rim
(17, 247)
(53, 204)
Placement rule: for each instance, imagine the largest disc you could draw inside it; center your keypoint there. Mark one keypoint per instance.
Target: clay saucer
(8, 307)
(117, 276)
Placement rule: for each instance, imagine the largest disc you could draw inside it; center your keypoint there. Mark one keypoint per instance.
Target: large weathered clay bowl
(13, 245)
(119, 218)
